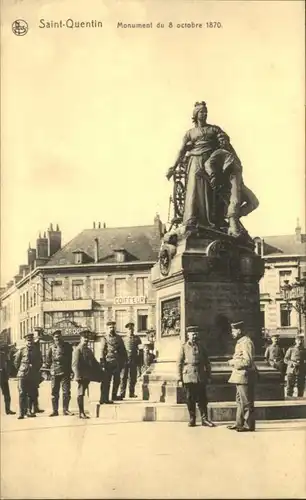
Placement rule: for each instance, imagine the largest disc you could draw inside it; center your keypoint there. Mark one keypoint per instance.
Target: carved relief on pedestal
(170, 317)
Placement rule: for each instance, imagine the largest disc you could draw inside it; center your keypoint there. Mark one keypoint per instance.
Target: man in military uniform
(112, 360)
(244, 376)
(85, 368)
(129, 371)
(194, 371)
(59, 359)
(4, 379)
(28, 361)
(35, 406)
(274, 355)
(295, 359)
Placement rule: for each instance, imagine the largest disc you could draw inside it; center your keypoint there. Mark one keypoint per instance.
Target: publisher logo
(20, 27)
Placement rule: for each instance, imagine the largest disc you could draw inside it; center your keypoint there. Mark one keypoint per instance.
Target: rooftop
(140, 243)
(286, 244)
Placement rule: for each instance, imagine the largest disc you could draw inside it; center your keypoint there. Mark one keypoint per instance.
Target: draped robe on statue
(202, 142)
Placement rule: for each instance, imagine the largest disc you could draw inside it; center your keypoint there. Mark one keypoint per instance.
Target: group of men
(194, 372)
(118, 365)
(291, 363)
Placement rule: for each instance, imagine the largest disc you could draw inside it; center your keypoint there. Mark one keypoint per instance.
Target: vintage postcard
(153, 249)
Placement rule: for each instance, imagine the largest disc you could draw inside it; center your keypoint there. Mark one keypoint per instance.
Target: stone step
(225, 411)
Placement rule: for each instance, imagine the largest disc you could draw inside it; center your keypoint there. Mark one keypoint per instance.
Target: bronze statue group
(215, 197)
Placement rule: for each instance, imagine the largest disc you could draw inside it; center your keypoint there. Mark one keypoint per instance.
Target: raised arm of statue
(183, 150)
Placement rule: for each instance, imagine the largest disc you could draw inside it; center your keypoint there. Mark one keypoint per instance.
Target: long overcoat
(193, 363)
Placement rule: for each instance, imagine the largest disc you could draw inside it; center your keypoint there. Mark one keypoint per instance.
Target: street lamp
(294, 295)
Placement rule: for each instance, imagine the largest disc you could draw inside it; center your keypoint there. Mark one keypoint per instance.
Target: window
(37, 320)
(77, 289)
(21, 329)
(31, 298)
(34, 321)
(142, 320)
(34, 296)
(142, 286)
(23, 302)
(283, 276)
(285, 315)
(57, 290)
(120, 288)
(28, 324)
(79, 317)
(20, 299)
(78, 258)
(57, 316)
(98, 321)
(48, 319)
(262, 317)
(121, 319)
(98, 289)
(31, 323)
(27, 300)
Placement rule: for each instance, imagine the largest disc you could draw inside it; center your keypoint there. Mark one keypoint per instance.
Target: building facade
(101, 274)
(285, 260)
(105, 273)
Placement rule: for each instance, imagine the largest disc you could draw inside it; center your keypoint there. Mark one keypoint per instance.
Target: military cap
(29, 334)
(111, 323)
(192, 328)
(275, 335)
(238, 325)
(299, 336)
(56, 332)
(130, 323)
(85, 333)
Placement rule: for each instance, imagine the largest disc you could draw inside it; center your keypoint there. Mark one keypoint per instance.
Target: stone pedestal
(208, 279)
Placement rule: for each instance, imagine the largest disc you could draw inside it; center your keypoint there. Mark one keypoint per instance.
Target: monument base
(160, 382)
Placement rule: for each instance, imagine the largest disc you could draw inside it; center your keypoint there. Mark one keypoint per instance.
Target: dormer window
(120, 255)
(78, 256)
(259, 246)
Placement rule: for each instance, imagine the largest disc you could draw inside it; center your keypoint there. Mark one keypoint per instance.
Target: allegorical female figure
(214, 185)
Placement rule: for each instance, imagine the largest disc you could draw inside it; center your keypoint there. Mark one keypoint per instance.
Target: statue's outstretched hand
(170, 173)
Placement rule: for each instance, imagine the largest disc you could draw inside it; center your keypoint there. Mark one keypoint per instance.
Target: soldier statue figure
(209, 191)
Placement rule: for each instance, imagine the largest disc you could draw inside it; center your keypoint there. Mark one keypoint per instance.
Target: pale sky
(93, 118)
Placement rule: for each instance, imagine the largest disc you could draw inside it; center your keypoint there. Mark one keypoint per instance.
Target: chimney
(158, 226)
(104, 225)
(96, 250)
(99, 225)
(94, 225)
(54, 240)
(42, 247)
(31, 256)
(298, 232)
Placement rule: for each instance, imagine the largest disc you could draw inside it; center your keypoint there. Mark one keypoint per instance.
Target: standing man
(194, 371)
(295, 359)
(274, 355)
(86, 369)
(59, 359)
(112, 360)
(35, 406)
(129, 371)
(4, 379)
(28, 361)
(244, 375)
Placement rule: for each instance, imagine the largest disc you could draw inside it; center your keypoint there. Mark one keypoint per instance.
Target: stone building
(101, 274)
(285, 259)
